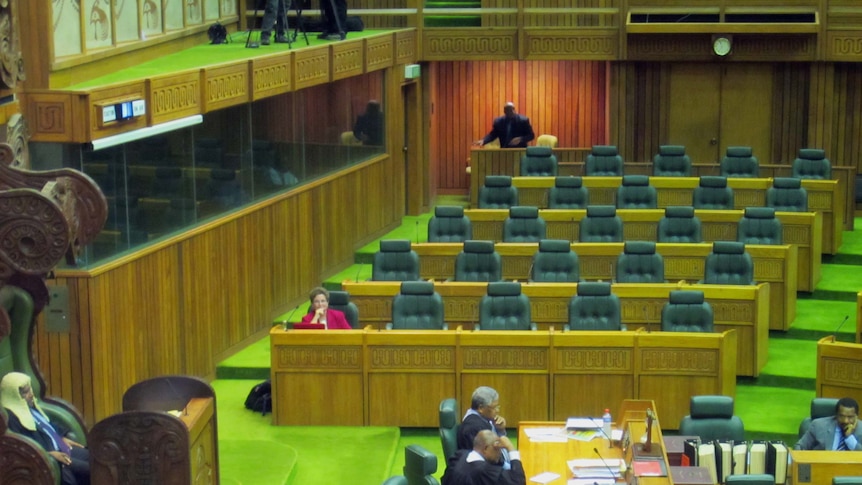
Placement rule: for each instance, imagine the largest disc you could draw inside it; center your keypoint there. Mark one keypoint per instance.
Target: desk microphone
(846, 317)
(417, 231)
(356, 278)
(287, 320)
(602, 429)
(610, 470)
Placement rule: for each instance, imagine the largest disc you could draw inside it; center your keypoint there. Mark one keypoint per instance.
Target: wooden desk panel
(816, 467)
(775, 265)
(343, 376)
(741, 308)
(799, 228)
(839, 369)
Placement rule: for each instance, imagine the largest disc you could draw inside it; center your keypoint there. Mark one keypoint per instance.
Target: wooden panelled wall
(176, 309)
(562, 98)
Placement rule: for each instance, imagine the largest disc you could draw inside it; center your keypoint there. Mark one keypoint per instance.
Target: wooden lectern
(818, 467)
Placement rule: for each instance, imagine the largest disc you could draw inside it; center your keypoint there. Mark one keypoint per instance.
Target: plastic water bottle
(606, 423)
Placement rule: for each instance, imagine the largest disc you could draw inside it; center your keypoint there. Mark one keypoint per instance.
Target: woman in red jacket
(320, 313)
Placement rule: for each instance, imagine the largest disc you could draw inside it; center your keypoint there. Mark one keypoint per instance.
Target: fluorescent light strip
(147, 132)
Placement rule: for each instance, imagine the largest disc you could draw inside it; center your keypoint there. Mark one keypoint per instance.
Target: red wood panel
(563, 98)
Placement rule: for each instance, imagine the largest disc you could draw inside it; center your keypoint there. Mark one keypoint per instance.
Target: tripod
(280, 20)
(298, 25)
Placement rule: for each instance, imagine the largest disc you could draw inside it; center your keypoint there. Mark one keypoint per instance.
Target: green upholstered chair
(449, 424)
(712, 418)
(15, 356)
(504, 307)
(478, 261)
(713, 193)
(555, 262)
(759, 226)
(756, 479)
(821, 407)
(728, 264)
(671, 161)
(498, 193)
(846, 480)
(679, 225)
(594, 308)
(686, 311)
(524, 225)
(603, 161)
(602, 224)
(640, 263)
(420, 466)
(395, 261)
(449, 224)
(811, 163)
(208, 152)
(539, 161)
(568, 193)
(417, 307)
(396, 480)
(739, 162)
(340, 300)
(635, 192)
(787, 195)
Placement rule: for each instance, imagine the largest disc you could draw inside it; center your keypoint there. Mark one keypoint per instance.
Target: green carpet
(771, 405)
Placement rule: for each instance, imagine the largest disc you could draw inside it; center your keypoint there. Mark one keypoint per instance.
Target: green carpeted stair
(771, 405)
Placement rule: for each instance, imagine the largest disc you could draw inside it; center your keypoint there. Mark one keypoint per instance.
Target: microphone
(846, 317)
(610, 470)
(602, 429)
(530, 270)
(417, 232)
(287, 320)
(356, 278)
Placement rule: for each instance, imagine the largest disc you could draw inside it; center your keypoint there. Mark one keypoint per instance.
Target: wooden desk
(775, 265)
(801, 229)
(741, 308)
(539, 457)
(839, 367)
(819, 467)
(351, 377)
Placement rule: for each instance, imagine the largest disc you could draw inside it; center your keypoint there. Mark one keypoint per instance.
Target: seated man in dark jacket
(26, 418)
(482, 465)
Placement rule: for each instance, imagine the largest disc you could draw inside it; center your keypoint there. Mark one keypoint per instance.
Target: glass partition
(159, 186)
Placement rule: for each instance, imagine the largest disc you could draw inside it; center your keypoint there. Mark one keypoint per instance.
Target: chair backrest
(811, 163)
(787, 195)
(539, 161)
(449, 425)
(396, 480)
(639, 263)
(568, 193)
(754, 479)
(671, 161)
(739, 162)
(395, 261)
(821, 407)
(728, 264)
(478, 261)
(846, 480)
(168, 182)
(498, 193)
(504, 307)
(679, 225)
(340, 300)
(759, 226)
(449, 224)
(712, 418)
(524, 225)
(635, 192)
(555, 262)
(604, 160)
(208, 152)
(420, 466)
(224, 188)
(417, 306)
(594, 308)
(546, 140)
(686, 311)
(601, 224)
(712, 193)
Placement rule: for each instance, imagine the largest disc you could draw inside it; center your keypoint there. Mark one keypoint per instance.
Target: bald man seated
(483, 464)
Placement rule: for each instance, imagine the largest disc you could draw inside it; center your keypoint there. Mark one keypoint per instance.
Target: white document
(595, 468)
(583, 423)
(546, 477)
(590, 481)
(546, 435)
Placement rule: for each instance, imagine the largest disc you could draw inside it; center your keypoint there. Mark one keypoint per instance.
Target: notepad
(648, 468)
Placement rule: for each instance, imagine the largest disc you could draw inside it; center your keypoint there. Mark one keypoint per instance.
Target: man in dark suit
(513, 130)
(482, 464)
(836, 433)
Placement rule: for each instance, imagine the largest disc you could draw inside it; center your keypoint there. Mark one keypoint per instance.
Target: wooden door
(713, 106)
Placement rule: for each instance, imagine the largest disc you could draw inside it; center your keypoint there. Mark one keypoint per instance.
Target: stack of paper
(583, 423)
(595, 468)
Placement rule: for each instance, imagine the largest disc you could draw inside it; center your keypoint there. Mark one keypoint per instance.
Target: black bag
(260, 398)
(217, 34)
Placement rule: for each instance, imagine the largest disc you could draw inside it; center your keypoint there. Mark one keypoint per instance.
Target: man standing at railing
(513, 130)
(273, 14)
(335, 17)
